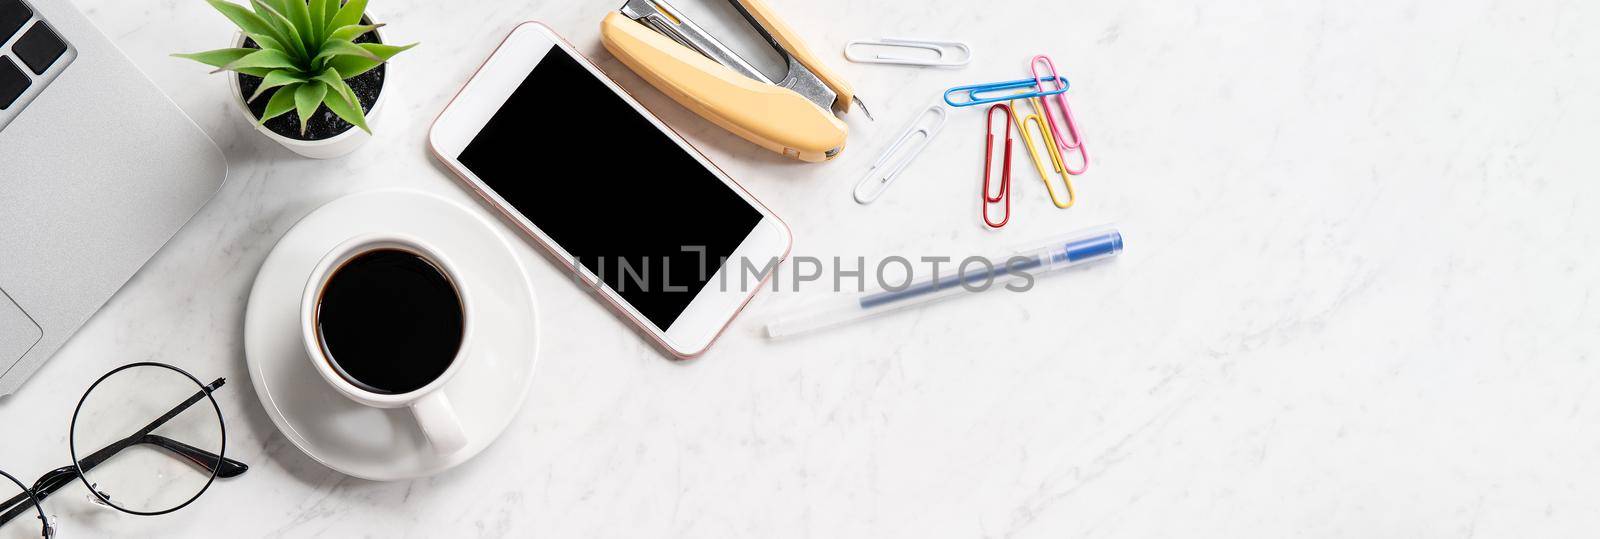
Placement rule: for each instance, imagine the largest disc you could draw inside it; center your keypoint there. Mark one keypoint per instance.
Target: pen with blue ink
(1047, 258)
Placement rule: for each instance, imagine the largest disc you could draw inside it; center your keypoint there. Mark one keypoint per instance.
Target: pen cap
(1078, 247)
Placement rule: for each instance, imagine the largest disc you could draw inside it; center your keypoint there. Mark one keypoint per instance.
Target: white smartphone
(562, 152)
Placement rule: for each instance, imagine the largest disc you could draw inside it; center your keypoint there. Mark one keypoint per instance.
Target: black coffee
(390, 321)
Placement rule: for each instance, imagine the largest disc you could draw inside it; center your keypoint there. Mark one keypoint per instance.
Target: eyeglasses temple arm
(63, 476)
(18, 505)
(47, 484)
(206, 460)
(94, 459)
(54, 480)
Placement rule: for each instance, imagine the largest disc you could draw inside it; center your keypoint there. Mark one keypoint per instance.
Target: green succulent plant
(308, 51)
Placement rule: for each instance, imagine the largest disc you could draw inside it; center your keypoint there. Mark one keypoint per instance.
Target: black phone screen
(610, 188)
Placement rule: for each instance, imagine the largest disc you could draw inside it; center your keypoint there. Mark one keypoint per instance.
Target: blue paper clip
(972, 90)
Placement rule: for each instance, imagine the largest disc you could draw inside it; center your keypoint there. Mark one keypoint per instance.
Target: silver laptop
(98, 170)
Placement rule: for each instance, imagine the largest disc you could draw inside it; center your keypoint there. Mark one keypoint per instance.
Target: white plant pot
(336, 146)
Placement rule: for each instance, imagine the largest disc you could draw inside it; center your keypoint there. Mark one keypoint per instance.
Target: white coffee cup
(432, 408)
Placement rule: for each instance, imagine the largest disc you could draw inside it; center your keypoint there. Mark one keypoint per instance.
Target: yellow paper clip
(1050, 150)
(1049, 138)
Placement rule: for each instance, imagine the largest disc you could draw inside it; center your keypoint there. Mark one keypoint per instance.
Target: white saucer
(371, 443)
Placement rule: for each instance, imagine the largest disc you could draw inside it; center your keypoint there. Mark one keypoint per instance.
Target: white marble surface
(1356, 301)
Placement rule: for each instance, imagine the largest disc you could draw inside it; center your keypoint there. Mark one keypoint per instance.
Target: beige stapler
(793, 116)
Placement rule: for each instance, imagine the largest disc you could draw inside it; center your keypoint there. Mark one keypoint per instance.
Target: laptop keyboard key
(39, 48)
(12, 15)
(12, 82)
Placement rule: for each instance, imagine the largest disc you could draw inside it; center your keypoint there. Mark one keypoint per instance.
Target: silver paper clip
(950, 53)
(901, 153)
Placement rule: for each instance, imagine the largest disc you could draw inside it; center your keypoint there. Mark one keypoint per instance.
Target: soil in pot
(324, 123)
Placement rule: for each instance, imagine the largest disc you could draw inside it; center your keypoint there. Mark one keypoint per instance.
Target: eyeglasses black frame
(220, 465)
(108, 451)
(38, 508)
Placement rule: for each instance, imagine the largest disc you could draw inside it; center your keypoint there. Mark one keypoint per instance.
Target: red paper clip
(1073, 140)
(1005, 169)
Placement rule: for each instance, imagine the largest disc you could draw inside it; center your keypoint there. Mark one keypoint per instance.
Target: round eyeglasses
(141, 441)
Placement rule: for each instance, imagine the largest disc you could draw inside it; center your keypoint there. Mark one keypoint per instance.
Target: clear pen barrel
(1058, 253)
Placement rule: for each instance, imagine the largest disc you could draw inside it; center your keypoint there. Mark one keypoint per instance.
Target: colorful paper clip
(1074, 140)
(1004, 194)
(969, 94)
(1051, 151)
(950, 53)
(880, 176)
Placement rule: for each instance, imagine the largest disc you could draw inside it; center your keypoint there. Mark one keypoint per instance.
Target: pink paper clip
(1074, 140)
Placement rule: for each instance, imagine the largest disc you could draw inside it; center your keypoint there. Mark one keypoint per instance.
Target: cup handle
(439, 424)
